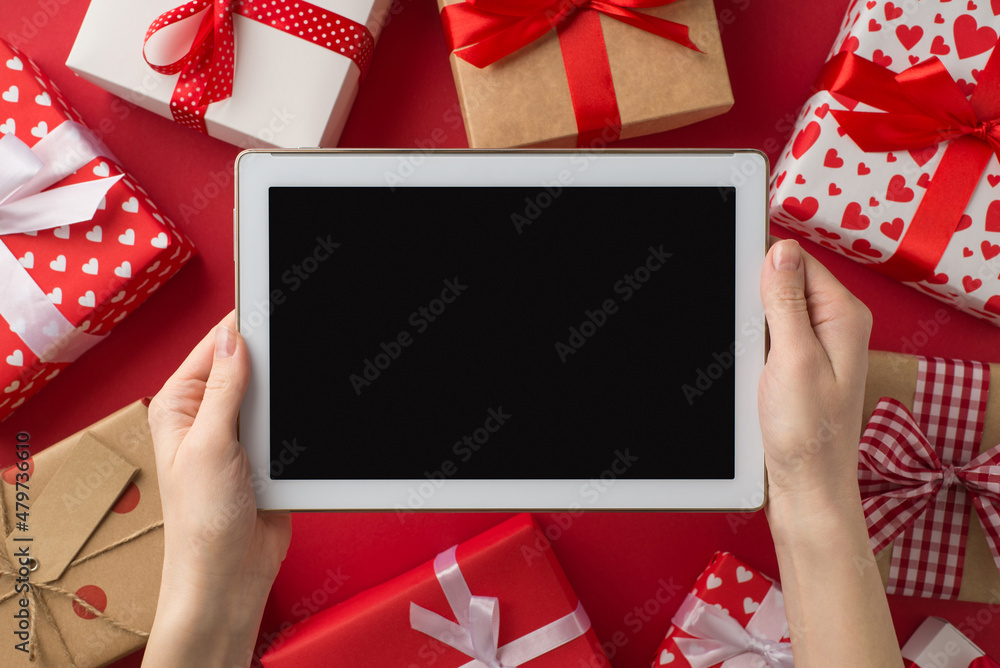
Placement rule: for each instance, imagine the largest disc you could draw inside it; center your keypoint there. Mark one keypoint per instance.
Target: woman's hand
(811, 393)
(220, 555)
(810, 399)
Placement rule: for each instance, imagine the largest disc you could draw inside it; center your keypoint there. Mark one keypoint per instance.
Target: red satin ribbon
(481, 32)
(207, 67)
(922, 106)
(984, 662)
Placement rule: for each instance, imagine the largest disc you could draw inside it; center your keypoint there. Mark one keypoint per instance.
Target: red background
(614, 560)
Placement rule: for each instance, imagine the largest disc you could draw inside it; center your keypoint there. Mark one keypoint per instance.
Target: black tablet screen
(502, 332)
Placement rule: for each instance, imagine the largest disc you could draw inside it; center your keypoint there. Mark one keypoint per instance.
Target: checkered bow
(919, 473)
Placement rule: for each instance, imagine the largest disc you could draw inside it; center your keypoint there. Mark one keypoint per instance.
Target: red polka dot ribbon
(207, 66)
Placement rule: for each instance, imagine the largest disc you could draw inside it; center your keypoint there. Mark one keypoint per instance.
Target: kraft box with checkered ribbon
(929, 472)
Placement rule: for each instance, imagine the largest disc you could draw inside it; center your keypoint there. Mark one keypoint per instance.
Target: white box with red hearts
(860, 204)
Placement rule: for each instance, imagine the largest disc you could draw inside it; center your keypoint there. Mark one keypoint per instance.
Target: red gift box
(505, 589)
(82, 245)
(938, 644)
(734, 617)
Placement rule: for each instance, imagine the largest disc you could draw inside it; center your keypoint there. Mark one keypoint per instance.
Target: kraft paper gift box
(429, 615)
(733, 617)
(293, 67)
(938, 644)
(892, 160)
(599, 79)
(929, 471)
(94, 528)
(81, 243)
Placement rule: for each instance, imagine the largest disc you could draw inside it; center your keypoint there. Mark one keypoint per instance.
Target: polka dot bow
(196, 40)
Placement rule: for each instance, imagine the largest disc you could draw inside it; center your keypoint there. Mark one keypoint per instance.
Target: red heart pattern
(840, 213)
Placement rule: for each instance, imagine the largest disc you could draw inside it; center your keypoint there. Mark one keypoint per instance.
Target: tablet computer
(502, 330)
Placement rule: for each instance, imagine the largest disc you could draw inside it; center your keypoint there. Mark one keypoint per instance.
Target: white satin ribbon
(478, 629)
(719, 639)
(26, 206)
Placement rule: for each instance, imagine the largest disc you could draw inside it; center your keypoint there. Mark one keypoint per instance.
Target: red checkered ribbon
(197, 41)
(919, 473)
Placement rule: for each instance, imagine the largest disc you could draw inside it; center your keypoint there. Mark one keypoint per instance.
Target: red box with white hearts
(740, 592)
(898, 210)
(94, 272)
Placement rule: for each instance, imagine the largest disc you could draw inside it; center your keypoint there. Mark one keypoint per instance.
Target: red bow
(207, 66)
(904, 482)
(482, 32)
(922, 106)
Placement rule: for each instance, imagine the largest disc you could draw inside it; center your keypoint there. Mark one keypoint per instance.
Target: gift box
(929, 473)
(83, 527)
(734, 616)
(891, 161)
(567, 74)
(255, 73)
(82, 244)
(500, 598)
(938, 644)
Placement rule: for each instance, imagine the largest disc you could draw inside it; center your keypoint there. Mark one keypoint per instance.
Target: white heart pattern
(51, 329)
(40, 130)
(102, 170)
(713, 581)
(130, 300)
(11, 94)
(61, 232)
(27, 387)
(128, 238)
(15, 64)
(160, 240)
(12, 387)
(17, 403)
(666, 657)
(121, 316)
(125, 271)
(151, 268)
(43, 99)
(121, 295)
(88, 300)
(58, 264)
(55, 296)
(91, 267)
(8, 127)
(95, 234)
(27, 260)
(132, 205)
(52, 375)
(743, 575)
(16, 358)
(750, 605)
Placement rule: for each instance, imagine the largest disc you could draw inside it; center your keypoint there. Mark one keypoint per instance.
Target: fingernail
(225, 342)
(786, 256)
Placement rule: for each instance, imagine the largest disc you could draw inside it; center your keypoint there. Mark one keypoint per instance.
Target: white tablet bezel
(744, 170)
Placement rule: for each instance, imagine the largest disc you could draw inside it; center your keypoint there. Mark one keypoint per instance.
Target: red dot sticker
(93, 595)
(9, 474)
(129, 499)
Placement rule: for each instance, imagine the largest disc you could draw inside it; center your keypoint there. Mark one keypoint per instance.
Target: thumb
(783, 283)
(227, 382)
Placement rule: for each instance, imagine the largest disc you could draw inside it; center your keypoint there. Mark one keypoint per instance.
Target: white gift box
(287, 92)
(861, 204)
(938, 644)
